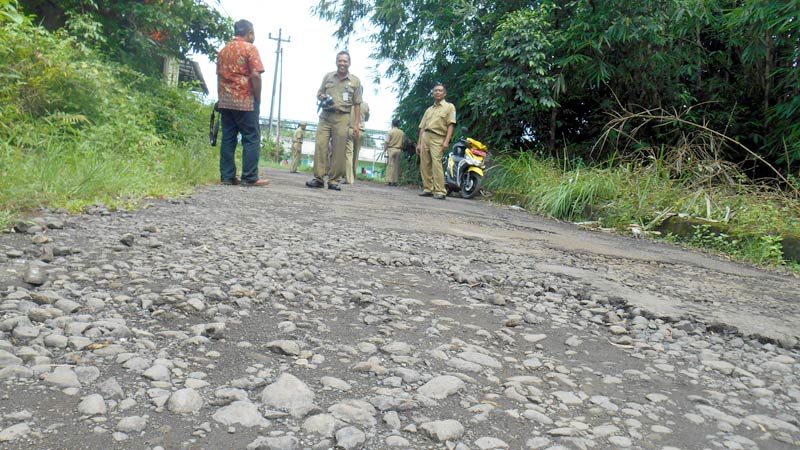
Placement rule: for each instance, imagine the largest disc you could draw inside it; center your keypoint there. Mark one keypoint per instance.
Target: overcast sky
(310, 54)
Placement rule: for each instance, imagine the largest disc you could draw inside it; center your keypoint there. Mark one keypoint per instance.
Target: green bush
(77, 130)
(643, 194)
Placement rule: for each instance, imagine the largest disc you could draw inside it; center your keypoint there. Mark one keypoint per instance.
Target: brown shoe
(235, 182)
(261, 182)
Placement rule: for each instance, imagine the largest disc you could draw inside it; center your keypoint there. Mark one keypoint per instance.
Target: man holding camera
(339, 95)
(239, 69)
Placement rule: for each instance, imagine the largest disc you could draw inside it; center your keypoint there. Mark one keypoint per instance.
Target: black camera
(325, 104)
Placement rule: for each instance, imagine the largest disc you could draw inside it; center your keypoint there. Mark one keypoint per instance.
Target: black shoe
(344, 182)
(334, 187)
(315, 183)
(425, 194)
(292, 171)
(439, 197)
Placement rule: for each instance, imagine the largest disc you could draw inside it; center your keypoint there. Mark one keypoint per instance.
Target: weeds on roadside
(76, 130)
(643, 194)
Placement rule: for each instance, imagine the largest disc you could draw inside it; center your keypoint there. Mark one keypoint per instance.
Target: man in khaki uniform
(435, 131)
(354, 145)
(334, 122)
(394, 149)
(297, 146)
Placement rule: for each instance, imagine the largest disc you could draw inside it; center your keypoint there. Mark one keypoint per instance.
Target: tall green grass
(642, 194)
(77, 130)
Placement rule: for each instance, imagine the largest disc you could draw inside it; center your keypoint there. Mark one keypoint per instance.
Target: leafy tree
(9, 13)
(548, 73)
(516, 86)
(766, 37)
(138, 33)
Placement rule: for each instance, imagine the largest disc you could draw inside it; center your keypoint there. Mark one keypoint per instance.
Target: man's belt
(431, 131)
(336, 111)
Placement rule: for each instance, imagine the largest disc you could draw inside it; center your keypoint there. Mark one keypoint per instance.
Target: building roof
(189, 72)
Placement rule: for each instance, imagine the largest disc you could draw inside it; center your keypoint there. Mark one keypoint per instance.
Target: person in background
(435, 131)
(344, 90)
(297, 146)
(354, 145)
(239, 69)
(393, 147)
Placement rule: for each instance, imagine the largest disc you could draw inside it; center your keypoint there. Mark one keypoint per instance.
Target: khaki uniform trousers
(333, 128)
(393, 165)
(431, 163)
(296, 156)
(351, 153)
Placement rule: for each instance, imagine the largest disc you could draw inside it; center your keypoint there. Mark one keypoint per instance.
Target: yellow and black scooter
(464, 166)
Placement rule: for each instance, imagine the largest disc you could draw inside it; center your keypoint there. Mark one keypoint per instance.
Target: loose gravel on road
(289, 318)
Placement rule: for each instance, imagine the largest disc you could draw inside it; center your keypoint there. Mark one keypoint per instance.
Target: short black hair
(344, 52)
(242, 27)
(396, 123)
(439, 83)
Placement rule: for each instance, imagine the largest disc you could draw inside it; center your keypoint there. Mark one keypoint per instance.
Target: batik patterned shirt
(235, 62)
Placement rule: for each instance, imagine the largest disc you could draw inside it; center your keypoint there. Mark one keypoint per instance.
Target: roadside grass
(57, 178)
(76, 130)
(624, 196)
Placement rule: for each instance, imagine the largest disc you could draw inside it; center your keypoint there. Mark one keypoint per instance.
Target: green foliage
(764, 34)
(138, 33)
(703, 236)
(577, 197)
(517, 82)
(764, 249)
(9, 12)
(546, 74)
(75, 130)
(643, 194)
(268, 150)
(409, 170)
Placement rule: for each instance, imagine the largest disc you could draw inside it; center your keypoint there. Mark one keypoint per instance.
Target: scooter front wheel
(470, 184)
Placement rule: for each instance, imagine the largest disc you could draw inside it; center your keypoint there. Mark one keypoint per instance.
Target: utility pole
(280, 97)
(275, 77)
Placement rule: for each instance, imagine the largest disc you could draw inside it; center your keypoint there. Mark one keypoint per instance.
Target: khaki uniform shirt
(297, 139)
(345, 92)
(364, 116)
(438, 118)
(395, 138)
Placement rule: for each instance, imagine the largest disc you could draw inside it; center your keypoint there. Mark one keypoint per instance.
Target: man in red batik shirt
(239, 71)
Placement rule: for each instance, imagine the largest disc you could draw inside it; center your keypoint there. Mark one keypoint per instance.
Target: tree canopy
(549, 74)
(138, 33)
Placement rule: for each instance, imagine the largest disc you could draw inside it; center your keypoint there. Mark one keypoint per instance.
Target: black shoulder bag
(213, 126)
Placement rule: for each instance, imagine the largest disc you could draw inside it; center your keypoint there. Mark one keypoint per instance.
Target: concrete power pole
(278, 124)
(275, 77)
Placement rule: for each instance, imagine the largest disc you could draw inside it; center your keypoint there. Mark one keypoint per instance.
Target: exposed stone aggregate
(259, 319)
